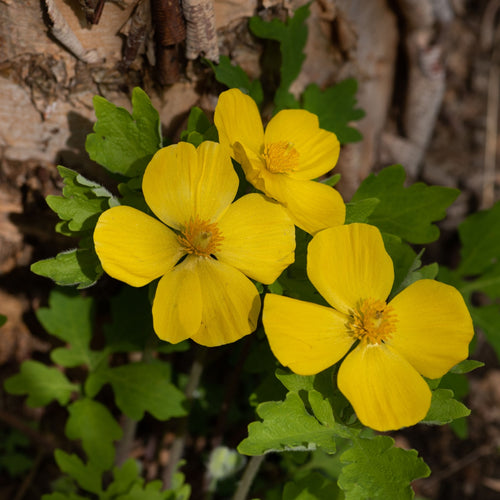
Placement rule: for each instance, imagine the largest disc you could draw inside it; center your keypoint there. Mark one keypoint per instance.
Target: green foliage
(15, 456)
(292, 37)
(286, 426)
(234, 77)
(42, 384)
(313, 486)
(79, 207)
(376, 470)
(199, 128)
(81, 202)
(124, 143)
(3, 319)
(70, 318)
(92, 422)
(79, 267)
(405, 212)
(444, 408)
(88, 476)
(140, 387)
(479, 271)
(480, 238)
(335, 108)
(126, 483)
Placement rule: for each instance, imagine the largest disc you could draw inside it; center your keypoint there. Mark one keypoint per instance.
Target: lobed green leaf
(88, 476)
(480, 237)
(93, 423)
(444, 408)
(233, 77)
(70, 318)
(286, 426)
(335, 108)
(292, 37)
(124, 143)
(405, 212)
(313, 486)
(79, 267)
(140, 387)
(42, 384)
(376, 470)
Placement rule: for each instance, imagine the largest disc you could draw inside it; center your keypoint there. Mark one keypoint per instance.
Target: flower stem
(246, 481)
(177, 448)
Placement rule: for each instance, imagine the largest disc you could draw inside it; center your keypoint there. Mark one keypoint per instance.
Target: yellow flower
(424, 330)
(282, 160)
(205, 253)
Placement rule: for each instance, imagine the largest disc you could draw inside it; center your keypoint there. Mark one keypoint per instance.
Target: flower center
(281, 157)
(373, 321)
(200, 237)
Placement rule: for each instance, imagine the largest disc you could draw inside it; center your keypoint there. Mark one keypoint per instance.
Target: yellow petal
(433, 328)
(231, 303)
(318, 149)
(237, 119)
(134, 247)
(385, 391)
(252, 164)
(306, 337)
(347, 264)
(178, 305)
(259, 238)
(182, 182)
(313, 206)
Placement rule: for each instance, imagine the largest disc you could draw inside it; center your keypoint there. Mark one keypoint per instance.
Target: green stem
(177, 449)
(246, 481)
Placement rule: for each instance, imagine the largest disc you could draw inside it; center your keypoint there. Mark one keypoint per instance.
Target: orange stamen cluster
(373, 321)
(281, 157)
(199, 237)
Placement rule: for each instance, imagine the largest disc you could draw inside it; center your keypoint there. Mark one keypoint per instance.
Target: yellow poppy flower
(424, 330)
(282, 160)
(207, 251)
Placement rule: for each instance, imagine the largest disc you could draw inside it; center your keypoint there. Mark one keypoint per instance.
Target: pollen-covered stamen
(200, 237)
(281, 157)
(373, 321)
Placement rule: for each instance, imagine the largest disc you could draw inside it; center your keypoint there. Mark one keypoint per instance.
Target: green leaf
(92, 422)
(466, 366)
(286, 426)
(292, 37)
(81, 214)
(444, 408)
(140, 387)
(314, 486)
(63, 496)
(70, 318)
(377, 470)
(335, 108)
(360, 211)
(199, 128)
(41, 383)
(81, 203)
(233, 77)
(124, 143)
(405, 212)
(124, 478)
(487, 318)
(3, 319)
(88, 476)
(480, 237)
(74, 267)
